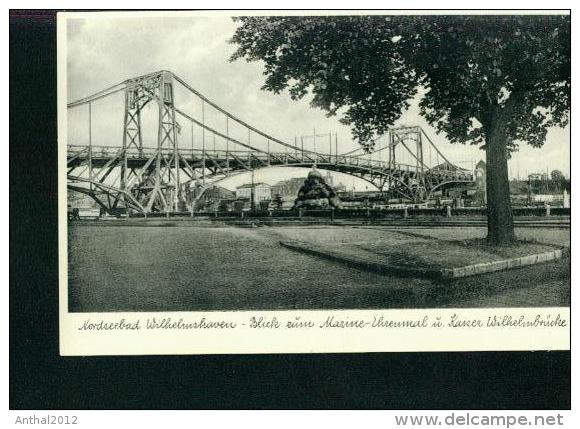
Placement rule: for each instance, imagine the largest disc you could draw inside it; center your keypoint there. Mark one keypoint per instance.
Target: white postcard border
(74, 340)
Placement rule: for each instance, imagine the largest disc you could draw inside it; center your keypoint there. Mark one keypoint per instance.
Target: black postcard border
(41, 379)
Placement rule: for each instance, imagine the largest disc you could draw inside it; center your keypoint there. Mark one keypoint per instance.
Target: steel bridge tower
(415, 177)
(157, 188)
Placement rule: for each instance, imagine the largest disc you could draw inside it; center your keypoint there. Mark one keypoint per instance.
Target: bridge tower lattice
(157, 184)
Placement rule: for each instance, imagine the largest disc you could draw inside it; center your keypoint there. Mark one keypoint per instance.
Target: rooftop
(249, 185)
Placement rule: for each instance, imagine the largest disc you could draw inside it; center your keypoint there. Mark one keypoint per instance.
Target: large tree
(494, 81)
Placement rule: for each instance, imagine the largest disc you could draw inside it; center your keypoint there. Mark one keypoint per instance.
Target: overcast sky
(103, 51)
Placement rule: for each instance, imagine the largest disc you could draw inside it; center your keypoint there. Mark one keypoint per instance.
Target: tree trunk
(500, 222)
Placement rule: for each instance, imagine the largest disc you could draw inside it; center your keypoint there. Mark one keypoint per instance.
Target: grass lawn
(429, 253)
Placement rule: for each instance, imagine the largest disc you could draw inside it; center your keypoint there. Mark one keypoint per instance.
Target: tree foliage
(557, 176)
(471, 72)
(559, 180)
(488, 80)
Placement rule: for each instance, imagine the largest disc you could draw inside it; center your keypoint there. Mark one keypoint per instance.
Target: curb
(442, 273)
(489, 267)
(360, 263)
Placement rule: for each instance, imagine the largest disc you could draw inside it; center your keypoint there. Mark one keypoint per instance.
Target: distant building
(566, 199)
(212, 198)
(518, 187)
(539, 189)
(540, 177)
(82, 205)
(231, 204)
(546, 198)
(288, 188)
(262, 191)
(539, 183)
(80, 201)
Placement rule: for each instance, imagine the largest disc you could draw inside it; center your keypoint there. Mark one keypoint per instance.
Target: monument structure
(315, 193)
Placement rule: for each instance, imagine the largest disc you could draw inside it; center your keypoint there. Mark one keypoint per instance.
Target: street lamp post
(253, 194)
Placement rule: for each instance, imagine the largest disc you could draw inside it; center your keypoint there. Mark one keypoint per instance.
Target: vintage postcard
(314, 181)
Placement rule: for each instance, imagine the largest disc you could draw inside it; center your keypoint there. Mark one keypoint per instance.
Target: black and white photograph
(276, 162)
(285, 209)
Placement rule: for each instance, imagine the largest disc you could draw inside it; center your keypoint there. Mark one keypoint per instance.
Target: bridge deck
(232, 160)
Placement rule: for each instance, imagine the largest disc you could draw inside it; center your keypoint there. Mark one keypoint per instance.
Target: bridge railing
(265, 158)
(381, 165)
(288, 157)
(108, 151)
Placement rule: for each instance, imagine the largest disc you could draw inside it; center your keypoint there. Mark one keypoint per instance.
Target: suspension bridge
(142, 178)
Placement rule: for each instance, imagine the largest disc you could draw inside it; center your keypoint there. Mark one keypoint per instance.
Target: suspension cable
(235, 118)
(195, 121)
(98, 95)
(436, 149)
